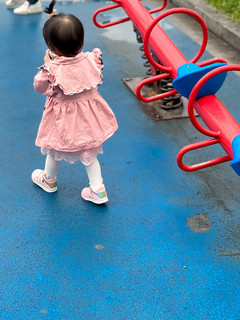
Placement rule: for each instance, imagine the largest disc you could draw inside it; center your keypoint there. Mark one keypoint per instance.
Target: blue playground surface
(166, 246)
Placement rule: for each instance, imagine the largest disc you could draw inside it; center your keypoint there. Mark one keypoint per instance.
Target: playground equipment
(198, 82)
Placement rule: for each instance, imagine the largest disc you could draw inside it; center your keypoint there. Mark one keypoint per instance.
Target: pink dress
(76, 119)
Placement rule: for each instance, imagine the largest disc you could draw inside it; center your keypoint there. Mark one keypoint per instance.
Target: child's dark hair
(63, 32)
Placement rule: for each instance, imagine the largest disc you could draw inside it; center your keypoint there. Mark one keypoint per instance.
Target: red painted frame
(114, 6)
(223, 127)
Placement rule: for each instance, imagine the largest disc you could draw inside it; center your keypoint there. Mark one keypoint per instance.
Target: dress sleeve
(42, 84)
(98, 58)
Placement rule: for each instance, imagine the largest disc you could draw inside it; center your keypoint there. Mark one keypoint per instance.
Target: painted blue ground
(135, 258)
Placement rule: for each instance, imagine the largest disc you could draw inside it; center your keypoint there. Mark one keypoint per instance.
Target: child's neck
(60, 54)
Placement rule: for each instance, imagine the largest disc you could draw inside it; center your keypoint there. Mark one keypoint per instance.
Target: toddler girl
(76, 119)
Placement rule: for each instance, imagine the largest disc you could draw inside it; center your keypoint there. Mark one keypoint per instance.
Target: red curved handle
(163, 15)
(195, 91)
(158, 96)
(204, 164)
(211, 61)
(160, 8)
(109, 24)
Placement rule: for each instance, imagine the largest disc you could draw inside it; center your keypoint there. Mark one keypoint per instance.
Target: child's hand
(47, 57)
(52, 14)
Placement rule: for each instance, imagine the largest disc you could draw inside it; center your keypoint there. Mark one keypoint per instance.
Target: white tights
(93, 171)
(51, 166)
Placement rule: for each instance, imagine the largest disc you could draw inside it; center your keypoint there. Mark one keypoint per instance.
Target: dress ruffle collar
(76, 74)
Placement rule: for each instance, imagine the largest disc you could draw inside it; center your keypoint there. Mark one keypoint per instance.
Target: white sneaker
(11, 4)
(27, 8)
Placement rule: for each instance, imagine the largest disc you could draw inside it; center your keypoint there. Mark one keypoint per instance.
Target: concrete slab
(217, 22)
(156, 109)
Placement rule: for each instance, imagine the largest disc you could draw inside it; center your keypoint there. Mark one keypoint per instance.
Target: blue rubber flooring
(166, 246)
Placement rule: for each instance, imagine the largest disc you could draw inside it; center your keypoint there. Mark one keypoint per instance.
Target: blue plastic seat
(190, 73)
(235, 163)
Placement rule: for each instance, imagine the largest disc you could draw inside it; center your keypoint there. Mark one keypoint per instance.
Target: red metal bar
(169, 65)
(108, 24)
(204, 164)
(219, 121)
(162, 46)
(222, 126)
(170, 69)
(210, 61)
(114, 6)
(158, 96)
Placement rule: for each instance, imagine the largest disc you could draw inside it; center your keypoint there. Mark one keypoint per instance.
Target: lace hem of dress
(85, 156)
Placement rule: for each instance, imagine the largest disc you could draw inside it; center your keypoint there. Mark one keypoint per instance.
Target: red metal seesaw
(190, 79)
(223, 127)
